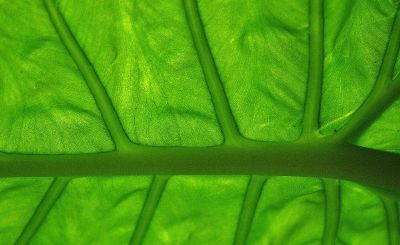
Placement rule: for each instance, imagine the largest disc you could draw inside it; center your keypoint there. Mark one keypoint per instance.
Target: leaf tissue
(200, 122)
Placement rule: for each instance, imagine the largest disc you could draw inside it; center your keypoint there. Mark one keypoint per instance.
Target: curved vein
(150, 205)
(98, 91)
(332, 211)
(49, 199)
(313, 97)
(392, 220)
(383, 94)
(253, 194)
(214, 84)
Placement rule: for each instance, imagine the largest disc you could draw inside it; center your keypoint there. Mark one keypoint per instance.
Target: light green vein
(313, 97)
(92, 80)
(253, 194)
(218, 95)
(49, 199)
(392, 220)
(383, 94)
(332, 211)
(150, 205)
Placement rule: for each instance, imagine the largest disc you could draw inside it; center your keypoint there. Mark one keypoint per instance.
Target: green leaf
(249, 122)
(46, 107)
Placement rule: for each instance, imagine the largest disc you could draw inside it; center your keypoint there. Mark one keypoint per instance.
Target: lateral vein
(214, 84)
(97, 89)
(149, 207)
(253, 194)
(383, 94)
(332, 211)
(314, 86)
(392, 220)
(42, 210)
(313, 96)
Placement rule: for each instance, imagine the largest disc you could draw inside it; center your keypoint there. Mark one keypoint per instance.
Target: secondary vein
(150, 205)
(218, 95)
(392, 220)
(253, 194)
(316, 53)
(383, 94)
(332, 211)
(98, 91)
(49, 199)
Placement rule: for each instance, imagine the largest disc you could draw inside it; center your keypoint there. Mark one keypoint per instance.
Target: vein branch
(49, 199)
(150, 205)
(218, 95)
(392, 220)
(332, 211)
(383, 94)
(315, 76)
(253, 194)
(98, 91)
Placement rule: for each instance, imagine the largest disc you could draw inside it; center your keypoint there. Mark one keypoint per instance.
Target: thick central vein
(92, 80)
(214, 84)
(383, 94)
(49, 199)
(316, 57)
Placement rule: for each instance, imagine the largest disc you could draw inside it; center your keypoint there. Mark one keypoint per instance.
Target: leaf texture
(93, 77)
(47, 108)
(169, 103)
(246, 41)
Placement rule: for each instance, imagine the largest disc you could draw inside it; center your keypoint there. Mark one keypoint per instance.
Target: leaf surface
(46, 107)
(112, 79)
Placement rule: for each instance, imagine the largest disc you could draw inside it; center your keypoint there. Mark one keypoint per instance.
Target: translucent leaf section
(98, 210)
(45, 104)
(384, 133)
(195, 210)
(261, 51)
(356, 34)
(198, 210)
(18, 200)
(362, 217)
(290, 211)
(144, 55)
